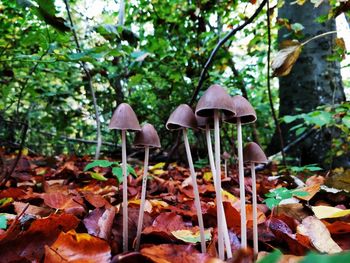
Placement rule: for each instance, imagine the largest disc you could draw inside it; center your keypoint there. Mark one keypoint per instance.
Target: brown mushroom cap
(226, 155)
(124, 118)
(182, 117)
(244, 111)
(252, 153)
(148, 136)
(203, 121)
(215, 98)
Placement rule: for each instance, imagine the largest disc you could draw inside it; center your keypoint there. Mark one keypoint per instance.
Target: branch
(88, 76)
(278, 127)
(216, 49)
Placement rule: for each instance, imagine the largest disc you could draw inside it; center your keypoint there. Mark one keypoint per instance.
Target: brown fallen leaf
(337, 227)
(32, 209)
(78, 247)
(319, 235)
(311, 190)
(70, 204)
(29, 244)
(167, 253)
(99, 222)
(285, 59)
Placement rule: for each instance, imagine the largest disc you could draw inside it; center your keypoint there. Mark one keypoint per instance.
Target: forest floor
(51, 210)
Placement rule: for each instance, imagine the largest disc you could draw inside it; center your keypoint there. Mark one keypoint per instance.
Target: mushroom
(183, 118)
(244, 114)
(226, 156)
(254, 154)
(207, 124)
(124, 118)
(214, 100)
(147, 138)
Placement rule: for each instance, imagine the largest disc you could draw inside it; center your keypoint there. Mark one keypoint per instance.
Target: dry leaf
(323, 211)
(76, 247)
(311, 190)
(284, 60)
(319, 235)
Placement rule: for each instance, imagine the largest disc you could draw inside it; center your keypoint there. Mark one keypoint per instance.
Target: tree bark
(313, 81)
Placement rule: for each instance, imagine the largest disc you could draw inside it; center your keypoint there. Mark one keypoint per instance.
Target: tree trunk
(313, 81)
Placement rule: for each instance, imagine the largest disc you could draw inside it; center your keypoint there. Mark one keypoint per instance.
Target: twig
(88, 76)
(318, 36)
(24, 85)
(217, 47)
(18, 157)
(269, 87)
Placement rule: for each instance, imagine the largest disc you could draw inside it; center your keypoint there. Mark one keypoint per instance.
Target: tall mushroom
(124, 118)
(183, 118)
(207, 124)
(254, 154)
(214, 100)
(244, 114)
(147, 138)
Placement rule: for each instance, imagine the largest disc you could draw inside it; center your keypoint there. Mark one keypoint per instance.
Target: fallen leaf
(78, 247)
(322, 212)
(319, 235)
(99, 222)
(311, 190)
(284, 60)
(167, 253)
(189, 236)
(338, 227)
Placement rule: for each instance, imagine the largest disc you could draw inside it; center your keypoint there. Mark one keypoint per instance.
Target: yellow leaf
(157, 166)
(25, 151)
(148, 204)
(299, 2)
(228, 196)
(188, 236)
(284, 60)
(158, 172)
(156, 202)
(322, 211)
(207, 176)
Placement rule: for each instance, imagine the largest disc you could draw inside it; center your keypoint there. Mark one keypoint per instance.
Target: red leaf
(74, 247)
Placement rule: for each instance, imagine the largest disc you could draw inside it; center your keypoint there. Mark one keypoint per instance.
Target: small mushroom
(254, 154)
(226, 156)
(214, 100)
(147, 138)
(244, 114)
(124, 118)
(206, 124)
(183, 118)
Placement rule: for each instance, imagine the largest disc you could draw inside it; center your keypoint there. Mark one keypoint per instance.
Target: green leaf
(3, 222)
(320, 258)
(289, 118)
(100, 163)
(118, 172)
(272, 257)
(5, 201)
(346, 121)
(271, 202)
(131, 170)
(98, 176)
(189, 237)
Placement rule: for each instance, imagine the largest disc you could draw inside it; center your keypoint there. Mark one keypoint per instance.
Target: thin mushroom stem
(197, 201)
(213, 170)
(241, 185)
(143, 199)
(125, 193)
(218, 185)
(255, 212)
(225, 168)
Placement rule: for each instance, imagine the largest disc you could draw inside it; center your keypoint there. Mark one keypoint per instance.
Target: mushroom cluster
(215, 105)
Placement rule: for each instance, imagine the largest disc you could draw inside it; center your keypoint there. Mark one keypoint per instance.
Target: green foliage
(279, 194)
(335, 117)
(200, 163)
(305, 168)
(311, 257)
(3, 222)
(116, 169)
